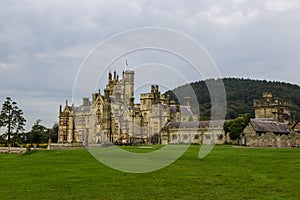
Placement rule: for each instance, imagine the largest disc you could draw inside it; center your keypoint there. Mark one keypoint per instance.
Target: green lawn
(226, 173)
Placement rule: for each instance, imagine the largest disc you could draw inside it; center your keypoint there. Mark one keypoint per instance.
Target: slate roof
(183, 109)
(195, 124)
(82, 109)
(269, 125)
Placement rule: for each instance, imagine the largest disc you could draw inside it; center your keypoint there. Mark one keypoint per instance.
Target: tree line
(12, 121)
(240, 94)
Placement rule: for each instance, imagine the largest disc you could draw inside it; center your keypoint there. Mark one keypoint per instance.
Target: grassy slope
(226, 173)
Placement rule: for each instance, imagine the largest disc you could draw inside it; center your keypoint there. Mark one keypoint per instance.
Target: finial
(115, 75)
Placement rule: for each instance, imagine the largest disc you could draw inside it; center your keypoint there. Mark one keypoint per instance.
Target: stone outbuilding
(269, 133)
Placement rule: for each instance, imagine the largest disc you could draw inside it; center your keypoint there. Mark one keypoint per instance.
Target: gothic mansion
(113, 116)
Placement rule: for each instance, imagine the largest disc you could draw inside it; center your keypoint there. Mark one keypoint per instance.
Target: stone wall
(12, 150)
(54, 146)
(272, 140)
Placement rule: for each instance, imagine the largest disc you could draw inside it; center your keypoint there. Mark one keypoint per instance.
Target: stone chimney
(85, 101)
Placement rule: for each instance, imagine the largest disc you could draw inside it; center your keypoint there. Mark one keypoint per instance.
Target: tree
(54, 133)
(38, 133)
(12, 118)
(236, 127)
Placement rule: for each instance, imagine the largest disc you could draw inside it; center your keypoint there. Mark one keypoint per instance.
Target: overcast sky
(43, 43)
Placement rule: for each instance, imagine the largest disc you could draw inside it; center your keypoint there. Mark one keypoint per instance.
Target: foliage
(226, 173)
(236, 127)
(12, 119)
(54, 133)
(38, 133)
(240, 94)
(191, 118)
(2, 140)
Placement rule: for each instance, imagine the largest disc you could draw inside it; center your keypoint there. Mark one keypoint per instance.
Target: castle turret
(109, 78)
(129, 86)
(168, 110)
(106, 94)
(187, 102)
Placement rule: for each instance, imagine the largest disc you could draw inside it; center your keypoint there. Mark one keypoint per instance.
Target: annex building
(272, 124)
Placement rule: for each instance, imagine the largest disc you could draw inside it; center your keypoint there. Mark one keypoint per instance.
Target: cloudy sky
(43, 43)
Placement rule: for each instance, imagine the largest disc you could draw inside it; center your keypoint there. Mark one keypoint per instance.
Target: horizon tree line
(13, 121)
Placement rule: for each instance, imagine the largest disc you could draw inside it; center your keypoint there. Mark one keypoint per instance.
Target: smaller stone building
(269, 133)
(194, 132)
(270, 128)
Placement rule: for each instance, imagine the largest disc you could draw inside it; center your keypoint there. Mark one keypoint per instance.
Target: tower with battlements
(273, 108)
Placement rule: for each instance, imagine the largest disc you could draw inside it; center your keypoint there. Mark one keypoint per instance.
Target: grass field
(226, 173)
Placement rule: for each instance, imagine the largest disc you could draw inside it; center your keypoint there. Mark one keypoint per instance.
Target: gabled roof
(185, 110)
(296, 126)
(269, 125)
(68, 108)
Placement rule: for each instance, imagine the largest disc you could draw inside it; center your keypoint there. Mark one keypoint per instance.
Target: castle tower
(66, 124)
(273, 108)
(128, 86)
(187, 102)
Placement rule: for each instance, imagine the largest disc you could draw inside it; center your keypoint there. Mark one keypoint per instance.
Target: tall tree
(12, 118)
(38, 133)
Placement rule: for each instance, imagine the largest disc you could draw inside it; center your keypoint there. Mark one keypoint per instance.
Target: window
(220, 137)
(174, 137)
(65, 136)
(207, 136)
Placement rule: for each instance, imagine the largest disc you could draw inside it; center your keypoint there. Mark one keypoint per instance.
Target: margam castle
(113, 116)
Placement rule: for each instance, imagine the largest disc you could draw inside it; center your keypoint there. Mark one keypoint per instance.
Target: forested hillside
(240, 94)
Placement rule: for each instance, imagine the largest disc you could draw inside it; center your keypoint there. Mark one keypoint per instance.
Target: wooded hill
(240, 94)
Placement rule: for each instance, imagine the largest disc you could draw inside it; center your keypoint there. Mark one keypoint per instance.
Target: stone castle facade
(113, 116)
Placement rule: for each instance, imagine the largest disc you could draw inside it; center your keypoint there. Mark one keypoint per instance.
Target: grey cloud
(43, 43)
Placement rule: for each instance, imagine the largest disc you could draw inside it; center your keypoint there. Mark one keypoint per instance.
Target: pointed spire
(109, 77)
(115, 75)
